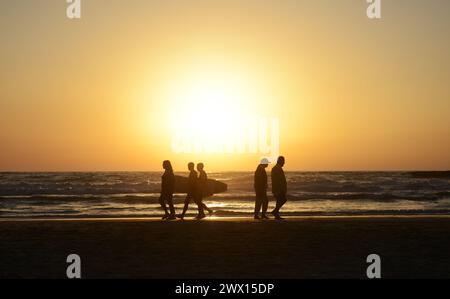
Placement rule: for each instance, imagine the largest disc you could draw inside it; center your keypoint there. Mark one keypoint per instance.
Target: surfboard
(213, 186)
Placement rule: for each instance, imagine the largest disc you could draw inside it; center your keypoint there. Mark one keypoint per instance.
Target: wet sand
(238, 247)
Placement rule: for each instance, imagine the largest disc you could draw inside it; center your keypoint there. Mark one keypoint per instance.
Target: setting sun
(209, 106)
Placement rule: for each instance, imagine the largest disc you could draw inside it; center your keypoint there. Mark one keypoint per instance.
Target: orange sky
(101, 93)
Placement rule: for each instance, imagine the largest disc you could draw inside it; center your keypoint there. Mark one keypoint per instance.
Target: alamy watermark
(374, 9)
(374, 269)
(237, 136)
(73, 10)
(73, 271)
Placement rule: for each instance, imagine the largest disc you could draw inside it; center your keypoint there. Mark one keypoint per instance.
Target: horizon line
(213, 171)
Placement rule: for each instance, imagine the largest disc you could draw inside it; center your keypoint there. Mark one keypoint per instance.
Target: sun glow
(211, 106)
(214, 115)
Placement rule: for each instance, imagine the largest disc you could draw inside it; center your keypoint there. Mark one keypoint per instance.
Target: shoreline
(225, 218)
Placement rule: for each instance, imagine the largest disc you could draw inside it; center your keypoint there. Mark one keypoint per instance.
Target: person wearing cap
(260, 185)
(279, 186)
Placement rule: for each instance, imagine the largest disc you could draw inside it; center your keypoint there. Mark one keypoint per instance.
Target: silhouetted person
(202, 186)
(192, 193)
(279, 186)
(261, 190)
(167, 190)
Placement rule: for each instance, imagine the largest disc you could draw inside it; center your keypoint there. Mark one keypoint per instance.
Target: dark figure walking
(261, 190)
(192, 193)
(279, 186)
(202, 186)
(167, 190)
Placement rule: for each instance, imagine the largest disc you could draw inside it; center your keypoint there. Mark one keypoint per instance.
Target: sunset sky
(103, 92)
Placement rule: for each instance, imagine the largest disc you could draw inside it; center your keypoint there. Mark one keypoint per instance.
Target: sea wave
(137, 193)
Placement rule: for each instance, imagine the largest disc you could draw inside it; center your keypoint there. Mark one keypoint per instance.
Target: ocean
(135, 194)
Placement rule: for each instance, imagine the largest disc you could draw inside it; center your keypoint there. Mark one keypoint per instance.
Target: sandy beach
(238, 247)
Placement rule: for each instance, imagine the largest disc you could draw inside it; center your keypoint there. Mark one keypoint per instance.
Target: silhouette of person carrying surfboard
(202, 187)
(167, 190)
(192, 193)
